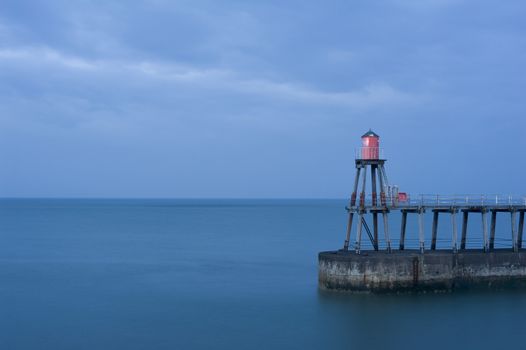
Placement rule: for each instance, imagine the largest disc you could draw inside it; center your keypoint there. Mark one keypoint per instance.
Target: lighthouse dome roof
(370, 133)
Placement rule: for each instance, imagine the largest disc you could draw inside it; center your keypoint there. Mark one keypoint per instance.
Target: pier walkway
(389, 201)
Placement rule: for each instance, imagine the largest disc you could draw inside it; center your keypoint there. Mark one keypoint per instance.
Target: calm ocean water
(212, 274)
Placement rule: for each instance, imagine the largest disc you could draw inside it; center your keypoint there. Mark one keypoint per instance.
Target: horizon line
(183, 198)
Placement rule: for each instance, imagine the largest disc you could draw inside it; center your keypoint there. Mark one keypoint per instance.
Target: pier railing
(402, 200)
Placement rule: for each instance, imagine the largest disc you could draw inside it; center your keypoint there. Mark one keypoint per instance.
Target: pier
(423, 267)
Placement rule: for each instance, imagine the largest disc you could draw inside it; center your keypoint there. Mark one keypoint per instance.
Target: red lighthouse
(368, 158)
(370, 145)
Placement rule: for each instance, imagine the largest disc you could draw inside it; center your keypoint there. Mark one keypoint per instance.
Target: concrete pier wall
(406, 271)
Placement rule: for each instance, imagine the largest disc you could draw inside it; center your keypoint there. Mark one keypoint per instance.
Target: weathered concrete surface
(408, 271)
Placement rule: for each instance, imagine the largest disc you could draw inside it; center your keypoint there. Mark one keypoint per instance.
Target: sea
(216, 274)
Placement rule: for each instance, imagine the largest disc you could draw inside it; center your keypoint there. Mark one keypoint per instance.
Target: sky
(259, 99)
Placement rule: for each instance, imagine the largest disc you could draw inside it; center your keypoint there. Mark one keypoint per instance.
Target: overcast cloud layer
(259, 99)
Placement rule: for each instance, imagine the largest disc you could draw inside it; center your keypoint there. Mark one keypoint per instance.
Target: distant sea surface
(213, 274)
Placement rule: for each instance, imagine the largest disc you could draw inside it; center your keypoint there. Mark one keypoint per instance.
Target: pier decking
(440, 204)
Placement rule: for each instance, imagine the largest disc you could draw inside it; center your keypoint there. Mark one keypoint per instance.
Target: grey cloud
(250, 88)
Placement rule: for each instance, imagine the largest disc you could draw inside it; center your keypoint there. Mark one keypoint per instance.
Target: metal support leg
(359, 235)
(348, 235)
(374, 202)
(454, 224)
(352, 204)
(402, 229)
(434, 231)
(382, 188)
(485, 230)
(421, 229)
(373, 184)
(464, 230)
(375, 230)
(492, 230)
(386, 231)
(362, 195)
(355, 188)
(513, 231)
(521, 229)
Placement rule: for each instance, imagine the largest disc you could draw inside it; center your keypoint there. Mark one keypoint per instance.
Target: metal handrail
(434, 200)
(369, 153)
